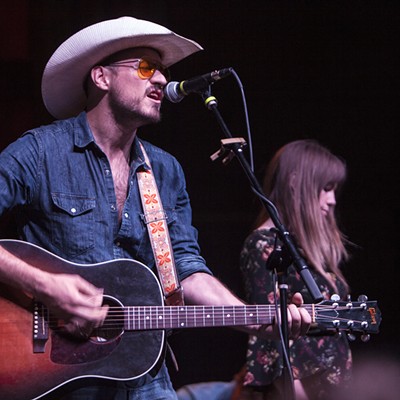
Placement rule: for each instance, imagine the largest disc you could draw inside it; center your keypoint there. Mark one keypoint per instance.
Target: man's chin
(146, 119)
(153, 118)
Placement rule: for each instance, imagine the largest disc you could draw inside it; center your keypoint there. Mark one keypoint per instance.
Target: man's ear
(100, 77)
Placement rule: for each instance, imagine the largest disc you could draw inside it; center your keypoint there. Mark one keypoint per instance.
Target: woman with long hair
(303, 180)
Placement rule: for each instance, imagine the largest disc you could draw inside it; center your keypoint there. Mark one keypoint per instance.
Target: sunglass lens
(147, 69)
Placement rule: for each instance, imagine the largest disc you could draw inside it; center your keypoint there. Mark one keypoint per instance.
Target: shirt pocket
(73, 223)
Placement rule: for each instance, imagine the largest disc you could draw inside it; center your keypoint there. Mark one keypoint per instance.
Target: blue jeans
(145, 388)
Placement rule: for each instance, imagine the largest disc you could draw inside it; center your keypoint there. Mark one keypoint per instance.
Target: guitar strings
(162, 317)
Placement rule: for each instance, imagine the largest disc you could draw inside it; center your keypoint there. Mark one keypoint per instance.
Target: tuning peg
(351, 337)
(362, 298)
(349, 302)
(365, 337)
(335, 297)
(350, 323)
(364, 324)
(336, 323)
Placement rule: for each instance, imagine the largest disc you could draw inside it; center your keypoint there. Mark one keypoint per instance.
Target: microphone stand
(279, 262)
(235, 147)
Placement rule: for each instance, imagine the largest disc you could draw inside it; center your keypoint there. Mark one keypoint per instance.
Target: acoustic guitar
(37, 358)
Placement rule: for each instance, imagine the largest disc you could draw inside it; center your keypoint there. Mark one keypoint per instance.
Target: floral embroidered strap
(155, 219)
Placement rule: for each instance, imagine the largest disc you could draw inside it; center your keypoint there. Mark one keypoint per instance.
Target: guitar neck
(158, 317)
(356, 316)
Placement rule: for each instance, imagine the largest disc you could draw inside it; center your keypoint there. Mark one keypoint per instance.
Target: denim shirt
(60, 186)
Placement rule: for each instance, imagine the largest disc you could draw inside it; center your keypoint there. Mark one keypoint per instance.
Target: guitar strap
(156, 221)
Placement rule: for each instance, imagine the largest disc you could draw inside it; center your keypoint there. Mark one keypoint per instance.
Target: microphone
(176, 91)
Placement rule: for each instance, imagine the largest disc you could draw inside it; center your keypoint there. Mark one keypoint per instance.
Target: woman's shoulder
(264, 231)
(259, 238)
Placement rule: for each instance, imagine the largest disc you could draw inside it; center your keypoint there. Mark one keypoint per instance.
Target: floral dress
(326, 358)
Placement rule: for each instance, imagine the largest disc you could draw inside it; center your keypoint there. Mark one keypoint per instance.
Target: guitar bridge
(40, 327)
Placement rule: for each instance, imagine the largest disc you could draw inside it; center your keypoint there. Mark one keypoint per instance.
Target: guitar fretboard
(148, 317)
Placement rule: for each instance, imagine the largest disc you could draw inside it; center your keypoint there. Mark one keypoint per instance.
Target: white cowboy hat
(63, 77)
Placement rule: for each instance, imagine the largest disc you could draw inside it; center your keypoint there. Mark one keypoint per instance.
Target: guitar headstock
(352, 316)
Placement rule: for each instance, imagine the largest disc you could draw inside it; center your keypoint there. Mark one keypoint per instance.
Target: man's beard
(134, 114)
(143, 118)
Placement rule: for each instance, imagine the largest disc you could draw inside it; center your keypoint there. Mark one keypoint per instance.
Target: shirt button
(126, 215)
(107, 171)
(112, 207)
(73, 210)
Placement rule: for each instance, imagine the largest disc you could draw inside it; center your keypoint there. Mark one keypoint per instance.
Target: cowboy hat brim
(64, 75)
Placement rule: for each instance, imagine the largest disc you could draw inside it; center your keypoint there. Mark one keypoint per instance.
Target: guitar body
(125, 355)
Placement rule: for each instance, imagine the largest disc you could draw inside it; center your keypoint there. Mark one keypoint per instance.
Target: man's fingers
(102, 315)
(89, 289)
(77, 329)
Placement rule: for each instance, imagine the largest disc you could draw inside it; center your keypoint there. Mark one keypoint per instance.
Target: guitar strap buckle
(154, 216)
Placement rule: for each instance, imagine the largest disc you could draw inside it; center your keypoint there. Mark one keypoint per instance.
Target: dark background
(326, 70)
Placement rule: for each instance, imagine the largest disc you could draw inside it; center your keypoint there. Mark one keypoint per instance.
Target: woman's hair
(294, 179)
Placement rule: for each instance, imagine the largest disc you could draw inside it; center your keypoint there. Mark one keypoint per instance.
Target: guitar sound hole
(113, 326)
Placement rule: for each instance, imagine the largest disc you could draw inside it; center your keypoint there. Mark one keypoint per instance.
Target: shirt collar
(83, 135)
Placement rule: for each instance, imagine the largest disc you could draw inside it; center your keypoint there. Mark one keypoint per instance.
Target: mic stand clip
(227, 149)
